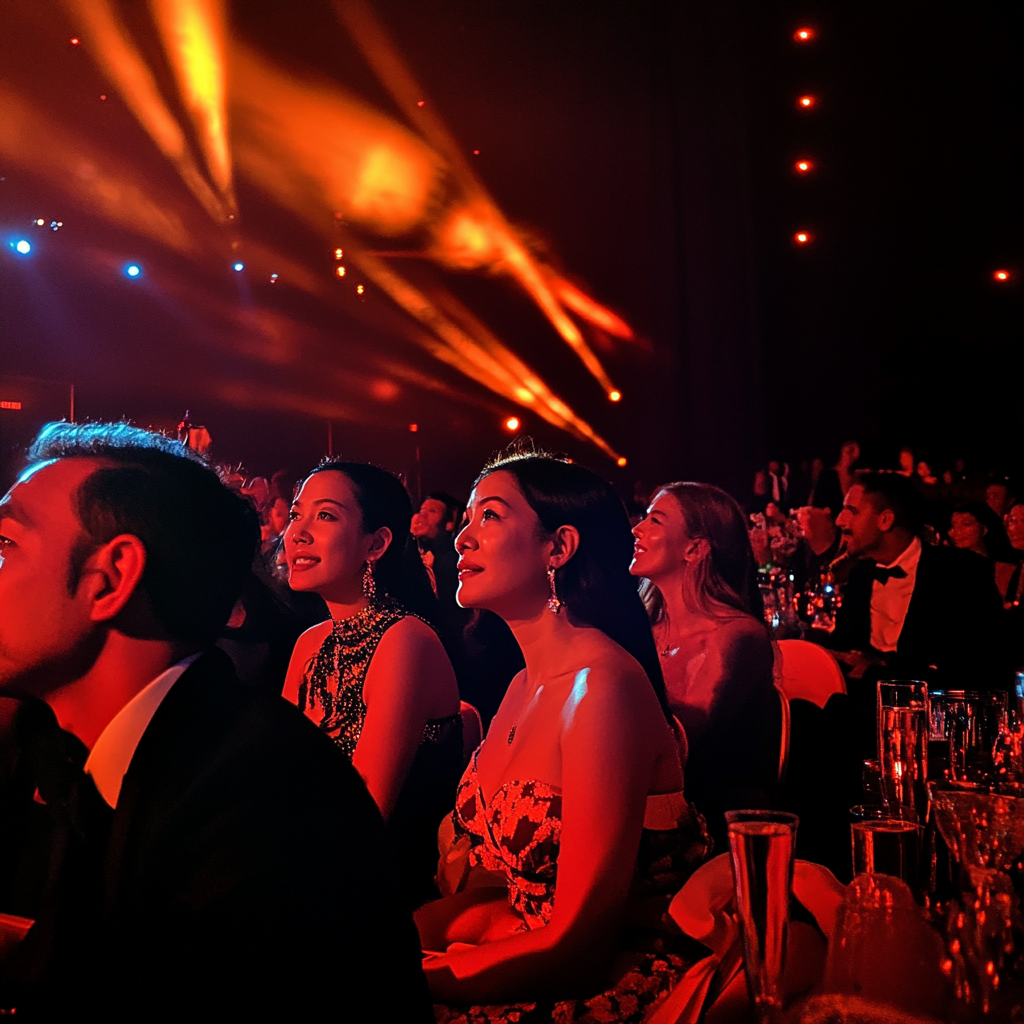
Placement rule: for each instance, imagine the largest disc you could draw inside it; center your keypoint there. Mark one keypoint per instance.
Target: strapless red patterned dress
(517, 833)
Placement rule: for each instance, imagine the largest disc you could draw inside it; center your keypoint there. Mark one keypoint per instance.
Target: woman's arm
(606, 772)
(410, 680)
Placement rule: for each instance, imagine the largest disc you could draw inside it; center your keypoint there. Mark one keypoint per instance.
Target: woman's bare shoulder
(410, 632)
(313, 637)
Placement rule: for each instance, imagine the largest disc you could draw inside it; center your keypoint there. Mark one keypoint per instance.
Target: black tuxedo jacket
(951, 635)
(244, 874)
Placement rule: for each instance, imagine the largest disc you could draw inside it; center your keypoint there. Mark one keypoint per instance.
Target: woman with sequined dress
(570, 829)
(375, 676)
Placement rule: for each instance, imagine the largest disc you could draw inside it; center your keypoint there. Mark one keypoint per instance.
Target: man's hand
(817, 527)
(858, 662)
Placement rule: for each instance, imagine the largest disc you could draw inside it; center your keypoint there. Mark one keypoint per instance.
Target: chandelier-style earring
(369, 584)
(554, 602)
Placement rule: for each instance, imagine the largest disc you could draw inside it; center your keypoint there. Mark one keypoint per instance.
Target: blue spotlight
(22, 246)
(133, 270)
(238, 267)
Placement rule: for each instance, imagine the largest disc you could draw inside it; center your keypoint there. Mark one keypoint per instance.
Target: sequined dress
(333, 683)
(517, 833)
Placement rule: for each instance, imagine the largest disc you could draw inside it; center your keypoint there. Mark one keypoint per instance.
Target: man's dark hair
(895, 492)
(453, 508)
(200, 537)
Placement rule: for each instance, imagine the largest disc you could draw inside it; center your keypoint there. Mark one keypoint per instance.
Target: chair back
(472, 730)
(805, 671)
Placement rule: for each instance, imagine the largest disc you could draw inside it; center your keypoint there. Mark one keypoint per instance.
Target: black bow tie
(883, 575)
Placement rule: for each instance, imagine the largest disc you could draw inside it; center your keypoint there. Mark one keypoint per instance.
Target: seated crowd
(241, 728)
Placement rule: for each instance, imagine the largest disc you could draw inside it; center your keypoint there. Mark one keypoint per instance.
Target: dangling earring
(554, 602)
(369, 584)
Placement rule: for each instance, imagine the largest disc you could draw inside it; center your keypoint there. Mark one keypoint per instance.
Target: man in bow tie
(207, 852)
(910, 610)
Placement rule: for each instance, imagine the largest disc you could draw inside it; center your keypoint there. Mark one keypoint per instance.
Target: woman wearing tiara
(374, 676)
(570, 822)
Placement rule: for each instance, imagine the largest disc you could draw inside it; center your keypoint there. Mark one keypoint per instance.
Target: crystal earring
(369, 584)
(554, 602)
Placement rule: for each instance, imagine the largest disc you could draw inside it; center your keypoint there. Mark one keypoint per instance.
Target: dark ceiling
(643, 147)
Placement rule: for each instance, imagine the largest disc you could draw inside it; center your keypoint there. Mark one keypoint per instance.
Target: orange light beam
(193, 36)
(121, 62)
(387, 63)
(464, 353)
(581, 303)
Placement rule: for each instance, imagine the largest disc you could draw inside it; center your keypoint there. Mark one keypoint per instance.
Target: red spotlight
(804, 35)
(75, 40)
(512, 424)
(413, 428)
(803, 166)
(620, 461)
(615, 396)
(806, 102)
(803, 238)
(1001, 275)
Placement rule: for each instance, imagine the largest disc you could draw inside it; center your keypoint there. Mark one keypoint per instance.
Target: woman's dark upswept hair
(594, 585)
(383, 501)
(728, 576)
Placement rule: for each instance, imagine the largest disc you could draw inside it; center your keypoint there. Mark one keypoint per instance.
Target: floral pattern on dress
(518, 833)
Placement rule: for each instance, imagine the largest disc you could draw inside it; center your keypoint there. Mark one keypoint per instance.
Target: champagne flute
(762, 846)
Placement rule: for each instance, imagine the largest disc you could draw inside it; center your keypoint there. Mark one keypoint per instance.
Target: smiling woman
(375, 676)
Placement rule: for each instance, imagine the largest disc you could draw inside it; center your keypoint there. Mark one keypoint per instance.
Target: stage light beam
(620, 461)
(614, 396)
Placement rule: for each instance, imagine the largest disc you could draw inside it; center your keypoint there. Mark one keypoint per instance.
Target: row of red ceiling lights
(805, 165)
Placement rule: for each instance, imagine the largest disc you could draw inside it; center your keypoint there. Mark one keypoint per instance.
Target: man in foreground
(208, 851)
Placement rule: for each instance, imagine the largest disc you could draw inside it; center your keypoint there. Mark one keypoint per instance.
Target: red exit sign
(10, 405)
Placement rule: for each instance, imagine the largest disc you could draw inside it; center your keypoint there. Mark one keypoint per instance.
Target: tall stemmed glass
(762, 846)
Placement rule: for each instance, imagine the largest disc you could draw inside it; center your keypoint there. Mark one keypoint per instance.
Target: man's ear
(111, 575)
(886, 520)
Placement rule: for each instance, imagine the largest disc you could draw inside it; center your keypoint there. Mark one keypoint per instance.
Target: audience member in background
(1013, 593)
(700, 591)
(975, 527)
(998, 497)
(778, 484)
(434, 528)
(761, 493)
(181, 815)
(910, 611)
(835, 482)
(907, 462)
(572, 809)
(374, 676)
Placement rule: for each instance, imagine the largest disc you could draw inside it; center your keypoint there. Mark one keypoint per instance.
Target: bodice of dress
(518, 833)
(334, 677)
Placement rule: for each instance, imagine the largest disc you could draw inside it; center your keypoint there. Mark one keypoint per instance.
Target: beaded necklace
(334, 678)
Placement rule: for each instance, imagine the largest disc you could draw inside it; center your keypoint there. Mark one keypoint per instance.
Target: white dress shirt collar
(112, 753)
(890, 601)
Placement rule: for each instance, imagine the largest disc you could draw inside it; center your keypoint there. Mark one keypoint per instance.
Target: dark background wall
(649, 146)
